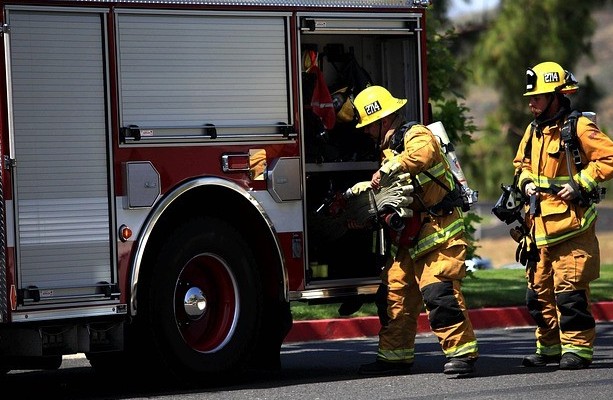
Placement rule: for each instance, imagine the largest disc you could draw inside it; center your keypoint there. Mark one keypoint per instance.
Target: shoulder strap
(528, 148)
(397, 140)
(455, 197)
(568, 135)
(435, 179)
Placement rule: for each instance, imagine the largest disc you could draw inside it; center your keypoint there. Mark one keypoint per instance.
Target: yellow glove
(527, 251)
(390, 167)
(404, 179)
(388, 170)
(360, 187)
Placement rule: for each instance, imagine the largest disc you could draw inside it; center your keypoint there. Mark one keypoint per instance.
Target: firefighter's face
(373, 129)
(538, 103)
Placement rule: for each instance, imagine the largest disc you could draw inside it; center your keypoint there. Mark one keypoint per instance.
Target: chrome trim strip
(324, 292)
(279, 3)
(64, 313)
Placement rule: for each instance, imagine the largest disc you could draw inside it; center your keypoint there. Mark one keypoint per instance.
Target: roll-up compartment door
(229, 71)
(61, 177)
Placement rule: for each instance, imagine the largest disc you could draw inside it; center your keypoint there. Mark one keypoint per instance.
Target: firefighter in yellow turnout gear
(559, 173)
(429, 262)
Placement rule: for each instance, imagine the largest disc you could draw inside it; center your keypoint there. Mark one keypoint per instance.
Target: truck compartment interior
(341, 155)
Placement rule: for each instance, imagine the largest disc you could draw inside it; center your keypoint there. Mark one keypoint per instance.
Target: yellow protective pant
(437, 274)
(558, 296)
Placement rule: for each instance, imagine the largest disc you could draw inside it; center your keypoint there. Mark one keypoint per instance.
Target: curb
(483, 318)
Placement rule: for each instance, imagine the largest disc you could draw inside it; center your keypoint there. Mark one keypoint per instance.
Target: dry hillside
(601, 68)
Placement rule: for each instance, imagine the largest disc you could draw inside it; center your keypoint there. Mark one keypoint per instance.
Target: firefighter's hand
(529, 189)
(375, 181)
(359, 188)
(526, 251)
(567, 192)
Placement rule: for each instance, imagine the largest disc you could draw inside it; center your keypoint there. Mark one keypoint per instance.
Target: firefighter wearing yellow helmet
(428, 265)
(561, 158)
(549, 77)
(374, 103)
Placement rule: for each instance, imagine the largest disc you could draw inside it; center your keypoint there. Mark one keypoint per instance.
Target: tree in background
(445, 82)
(446, 76)
(522, 34)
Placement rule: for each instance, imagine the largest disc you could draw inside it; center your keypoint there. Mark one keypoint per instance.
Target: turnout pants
(558, 296)
(434, 280)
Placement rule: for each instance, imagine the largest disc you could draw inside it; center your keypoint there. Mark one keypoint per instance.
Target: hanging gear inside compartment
(319, 114)
(321, 100)
(350, 73)
(351, 79)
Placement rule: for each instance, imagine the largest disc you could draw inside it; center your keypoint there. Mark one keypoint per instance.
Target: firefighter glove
(404, 212)
(358, 188)
(396, 194)
(529, 189)
(526, 251)
(572, 193)
(388, 170)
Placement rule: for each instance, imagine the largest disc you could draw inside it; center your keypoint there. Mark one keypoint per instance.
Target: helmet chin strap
(542, 117)
(383, 137)
(391, 128)
(379, 144)
(563, 110)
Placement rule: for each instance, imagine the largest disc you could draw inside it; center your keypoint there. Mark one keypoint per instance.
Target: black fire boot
(460, 366)
(573, 361)
(540, 360)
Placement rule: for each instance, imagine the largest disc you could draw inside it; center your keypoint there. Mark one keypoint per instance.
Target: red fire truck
(168, 173)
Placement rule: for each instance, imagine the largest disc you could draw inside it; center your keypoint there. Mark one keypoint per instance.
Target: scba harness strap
(570, 141)
(455, 196)
(568, 136)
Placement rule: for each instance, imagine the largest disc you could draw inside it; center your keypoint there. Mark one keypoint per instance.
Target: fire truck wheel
(204, 301)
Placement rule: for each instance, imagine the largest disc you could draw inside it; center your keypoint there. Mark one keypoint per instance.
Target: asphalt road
(328, 370)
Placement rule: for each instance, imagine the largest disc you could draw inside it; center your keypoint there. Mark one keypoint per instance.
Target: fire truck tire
(204, 301)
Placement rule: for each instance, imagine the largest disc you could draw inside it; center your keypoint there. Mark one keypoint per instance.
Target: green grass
(484, 288)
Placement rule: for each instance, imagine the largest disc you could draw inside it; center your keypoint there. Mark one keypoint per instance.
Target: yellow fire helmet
(374, 103)
(549, 77)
